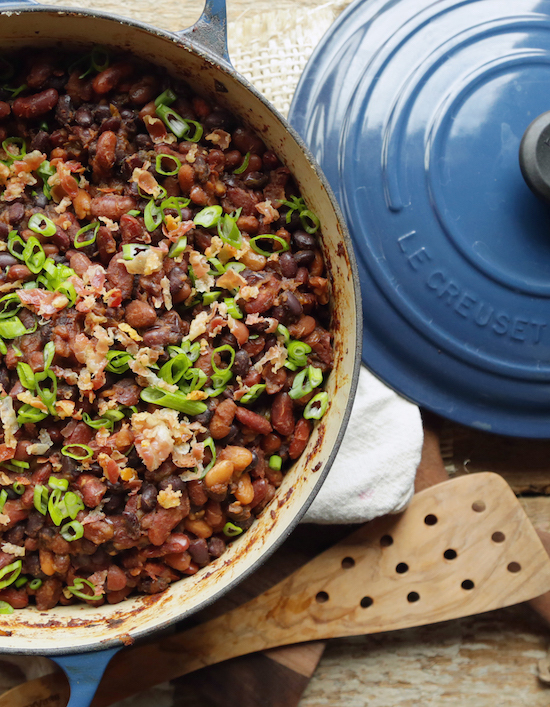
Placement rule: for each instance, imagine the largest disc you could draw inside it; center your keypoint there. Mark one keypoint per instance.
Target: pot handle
(84, 671)
(210, 30)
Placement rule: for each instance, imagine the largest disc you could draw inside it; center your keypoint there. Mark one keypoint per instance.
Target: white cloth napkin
(373, 473)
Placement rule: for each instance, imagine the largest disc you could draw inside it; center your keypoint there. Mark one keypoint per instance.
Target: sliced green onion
(298, 351)
(45, 171)
(19, 488)
(47, 395)
(309, 220)
(34, 255)
(35, 584)
(174, 369)
(26, 376)
(16, 245)
(295, 204)
(118, 361)
(231, 530)
(316, 407)
(284, 332)
(196, 136)
(56, 507)
(152, 216)
(30, 415)
(97, 424)
(3, 348)
(3, 499)
(130, 250)
(76, 590)
(237, 267)
(218, 267)
(113, 415)
(6, 608)
(275, 462)
(268, 237)
(220, 350)
(42, 224)
(228, 231)
(172, 120)
(209, 216)
(174, 202)
(20, 582)
(81, 452)
(209, 444)
(134, 212)
(253, 394)
(301, 387)
(17, 351)
(72, 531)
(232, 308)
(73, 504)
(13, 156)
(55, 483)
(10, 304)
(178, 247)
(78, 243)
(11, 572)
(244, 164)
(101, 58)
(196, 377)
(12, 328)
(209, 297)
(174, 401)
(49, 353)
(166, 98)
(158, 164)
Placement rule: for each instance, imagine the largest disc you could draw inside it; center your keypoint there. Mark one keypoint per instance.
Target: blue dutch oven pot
(81, 638)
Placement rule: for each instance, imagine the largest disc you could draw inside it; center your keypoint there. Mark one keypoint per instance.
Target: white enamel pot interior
(83, 628)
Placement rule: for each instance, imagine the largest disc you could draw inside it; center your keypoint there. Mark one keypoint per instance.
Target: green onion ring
(77, 587)
(244, 164)
(82, 244)
(267, 236)
(316, 407)
(72, 531)
(209, 216)
(231, 530)
(88, 451)
(12, 571)
(39, 223)
(158, 164)
(73, 504)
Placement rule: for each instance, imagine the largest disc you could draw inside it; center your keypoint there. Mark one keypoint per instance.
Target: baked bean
(282, 417)
(186, 178)
(300, 437)
(222, 420)
(19, 272)
(140, 315)
(240, 457)
(200, 528)
(220, 473)
(112, 206)
(35, 105)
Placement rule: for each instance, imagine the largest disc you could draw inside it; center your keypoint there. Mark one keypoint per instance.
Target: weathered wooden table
(484, 660)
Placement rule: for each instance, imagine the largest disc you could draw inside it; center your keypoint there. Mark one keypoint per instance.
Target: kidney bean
(107, 80)
(282, 417)
(6, 260)
(79, 262)
(197, 492)
(92, 489)
(113, 206)
(5, 109)
(106, 244)
(303, 327)
(140, 315)
(35, 105)
(143, 91)
(257, 423)
(105, 156)
(19, 272)
(288, 265)
(222, 419)
(300, 437)
(271, 443)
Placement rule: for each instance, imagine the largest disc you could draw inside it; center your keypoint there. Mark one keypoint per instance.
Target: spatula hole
(450, 554)
(402, 567)
(412, 597)
(321, 597)
(467, 584)
(514, 567)
(478, 506)
(430, 519)
(386, 541)
(366, 602)
(348, 563)
(498, 537)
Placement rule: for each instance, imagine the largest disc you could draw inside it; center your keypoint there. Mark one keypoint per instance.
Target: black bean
(132, 524)
(255, 180)
(64, 112)
(113, 504)
(202, 240)
(291, 303)
(112, 124)
(293, 224)
(241, 364)
(83, 117)
(232, 435)
(4, 230)
(143, 142)
(101, 113)
(303, 240)
(186, 214)
(57, 82)
(219, 119)
(148, 497)
(127, 114)
(174, 481)
(304, 258)
(288, 265)
(16, 213)
(216, 546)
(205, 417)
(198, 549)
(41, 142)
(41, 200)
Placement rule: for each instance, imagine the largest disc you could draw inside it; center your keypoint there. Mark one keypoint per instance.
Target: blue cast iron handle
(85, 670)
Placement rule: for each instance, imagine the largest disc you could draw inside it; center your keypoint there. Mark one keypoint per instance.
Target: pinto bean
(113, 206)
(282, 417)
(300, 437)
(303, 327)
(116, 579)
(35, 105)
(257, 423)
(105, 155)
(140, 315)
(223, 419)
(19, 272)
(107, 80)
(118, 276)
(92, 489)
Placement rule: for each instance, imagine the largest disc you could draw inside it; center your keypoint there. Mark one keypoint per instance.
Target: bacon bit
(6, 452)
(132, 333)
(113, 298)
(63, 205)
(128, 474)
(197, 395)
(168, 498)
(109, 224)
(64, 408)
(174, 229)
(255, 318)
(231, 280)
(4, 519)
(249, 292)
(93, 355)
(94, 278)
(166, 296)
(192, 154)
(199, 264)
(110, 468)
(27, 397)
(15, 550)
(267, 210)
(145, 181)
(67, 183)
(277, 355)
(43, 302)
(146, 262)
(4, 173)
(157, 131)
(220, 138)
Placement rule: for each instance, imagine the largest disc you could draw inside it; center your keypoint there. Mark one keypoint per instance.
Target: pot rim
(183, 41)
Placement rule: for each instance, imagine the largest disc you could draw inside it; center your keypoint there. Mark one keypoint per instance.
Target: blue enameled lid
(415, 111)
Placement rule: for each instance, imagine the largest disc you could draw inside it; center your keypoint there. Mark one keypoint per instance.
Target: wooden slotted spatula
(462, 547)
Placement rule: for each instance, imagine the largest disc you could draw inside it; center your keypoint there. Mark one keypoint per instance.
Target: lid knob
(534, 156)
